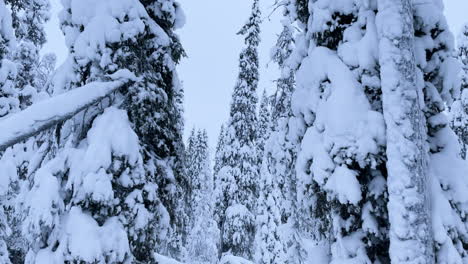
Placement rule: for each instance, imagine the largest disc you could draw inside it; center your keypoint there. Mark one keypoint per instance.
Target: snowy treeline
(359, 156)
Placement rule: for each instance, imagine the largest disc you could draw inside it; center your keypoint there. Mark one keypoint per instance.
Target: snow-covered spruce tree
(281, 148)
(438, 76)
(338, 116)
(201, 182)
(203, 238)
(29, 18)
(219, 180)
(192, 168)
(407, 152)
(218, 158)
(110, 187)
(269, 244)
(459, 109)
(239, 177)
(264, 124)
(388, 139)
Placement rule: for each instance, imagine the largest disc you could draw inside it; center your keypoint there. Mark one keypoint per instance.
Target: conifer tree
(270, 247)
(438, 78)
(354, 158)
(218, 179)
(280, 152)
(203, 238)
(407, 158)
(218, 159)
(122, 192)
(347, 213)
(29, 18)
(264, 124)
(239, 176)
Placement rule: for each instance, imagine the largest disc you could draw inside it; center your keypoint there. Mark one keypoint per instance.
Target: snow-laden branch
(45, 114)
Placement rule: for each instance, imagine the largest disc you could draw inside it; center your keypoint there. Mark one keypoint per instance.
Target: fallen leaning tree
(48, 113)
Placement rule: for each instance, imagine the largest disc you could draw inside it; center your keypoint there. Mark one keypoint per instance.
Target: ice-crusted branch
(45, 114)
(410, 228)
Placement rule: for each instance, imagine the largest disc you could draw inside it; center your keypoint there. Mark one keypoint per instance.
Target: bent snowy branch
(45, 114)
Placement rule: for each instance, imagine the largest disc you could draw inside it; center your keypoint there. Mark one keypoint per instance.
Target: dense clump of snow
(344, 183)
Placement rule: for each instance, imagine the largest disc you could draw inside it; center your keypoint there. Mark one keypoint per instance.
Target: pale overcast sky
(210, 39)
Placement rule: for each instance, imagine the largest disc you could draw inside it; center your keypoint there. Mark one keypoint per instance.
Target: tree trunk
(407, 150)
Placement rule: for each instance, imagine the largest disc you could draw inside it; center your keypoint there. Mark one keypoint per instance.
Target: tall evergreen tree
(220, 182)
(122, 192)
(239, 176)
(440, 85)
(264, 124)
(218, 179)
(348, 213)
(29, 18)
(407, 153)
(357, 93)
(280, 151)
(202, 243)
(270, 248)
(218, 158)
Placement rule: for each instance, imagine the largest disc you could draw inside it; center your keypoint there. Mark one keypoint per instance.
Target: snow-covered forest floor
(359, 155)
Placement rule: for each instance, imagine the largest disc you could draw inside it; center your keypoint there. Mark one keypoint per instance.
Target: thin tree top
(251, 29)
